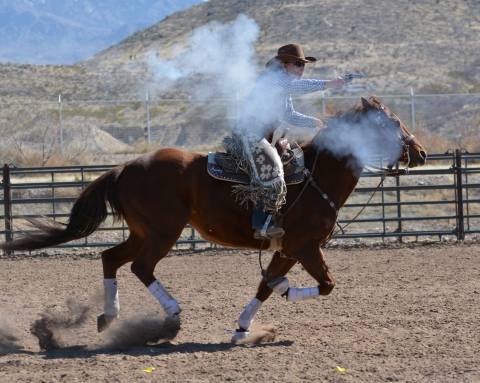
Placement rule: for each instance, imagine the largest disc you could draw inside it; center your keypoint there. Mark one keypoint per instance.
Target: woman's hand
(338, 83)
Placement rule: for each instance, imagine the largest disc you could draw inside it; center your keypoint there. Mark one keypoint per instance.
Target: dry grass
(31, 158)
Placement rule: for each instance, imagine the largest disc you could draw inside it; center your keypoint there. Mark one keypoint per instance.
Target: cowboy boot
(264, 226)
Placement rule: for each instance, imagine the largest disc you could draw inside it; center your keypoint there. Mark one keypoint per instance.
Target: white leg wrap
(111, 306)
(298, 293)
(168, 303)
(279, 285)
(246, 317)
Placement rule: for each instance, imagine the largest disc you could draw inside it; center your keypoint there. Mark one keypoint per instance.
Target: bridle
(384, 172)
(310, 181)
(389, 171)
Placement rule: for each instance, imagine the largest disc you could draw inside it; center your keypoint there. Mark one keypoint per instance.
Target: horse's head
(393, 130)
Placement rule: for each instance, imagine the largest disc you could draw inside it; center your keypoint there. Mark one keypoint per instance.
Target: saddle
(222, 166)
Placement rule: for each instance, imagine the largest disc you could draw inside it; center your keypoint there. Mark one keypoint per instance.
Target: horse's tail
(88, 212)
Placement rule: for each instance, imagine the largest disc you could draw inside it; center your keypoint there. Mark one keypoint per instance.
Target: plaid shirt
(292, 86)
(271, 101)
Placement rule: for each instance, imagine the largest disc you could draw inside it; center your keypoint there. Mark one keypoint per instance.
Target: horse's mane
(360, 108)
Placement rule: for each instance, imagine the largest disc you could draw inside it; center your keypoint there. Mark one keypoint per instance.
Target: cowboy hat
(292, 53)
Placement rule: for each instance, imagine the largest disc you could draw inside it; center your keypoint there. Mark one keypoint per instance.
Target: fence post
(467, 196)
(383, 215)
(148, 134)
(412, 108)
(192, 239)
(7, 206)
(460, 230)
(324, 106)
(399, 207)
(60, 122)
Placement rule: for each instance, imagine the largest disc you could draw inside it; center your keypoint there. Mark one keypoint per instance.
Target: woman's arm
(292, 117)
(305, 86)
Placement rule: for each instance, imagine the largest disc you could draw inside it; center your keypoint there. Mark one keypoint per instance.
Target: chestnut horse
(159, 193)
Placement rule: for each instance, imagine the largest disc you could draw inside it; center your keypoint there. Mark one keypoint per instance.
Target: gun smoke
(363, 139)
(218, 62)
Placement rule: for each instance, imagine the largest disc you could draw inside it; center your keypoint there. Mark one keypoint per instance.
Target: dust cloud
(141, 331)
(9, 338)
(51, 326)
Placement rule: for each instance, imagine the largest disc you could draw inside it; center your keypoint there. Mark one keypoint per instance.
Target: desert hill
(431, 46)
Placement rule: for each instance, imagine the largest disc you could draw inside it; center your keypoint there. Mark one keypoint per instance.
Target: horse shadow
(85, 351)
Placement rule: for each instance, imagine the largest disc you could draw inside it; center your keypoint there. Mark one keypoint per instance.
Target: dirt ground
(407, 313)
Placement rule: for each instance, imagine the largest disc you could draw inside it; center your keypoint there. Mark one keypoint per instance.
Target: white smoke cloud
(218, 60)
(367, 139)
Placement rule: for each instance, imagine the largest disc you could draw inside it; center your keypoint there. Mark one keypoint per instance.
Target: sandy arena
(398, 314)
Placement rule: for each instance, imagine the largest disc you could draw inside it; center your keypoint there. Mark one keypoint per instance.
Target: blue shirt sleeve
(299, 86)
(295, 118)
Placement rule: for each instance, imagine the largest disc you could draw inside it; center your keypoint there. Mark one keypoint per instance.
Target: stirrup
(271, 233)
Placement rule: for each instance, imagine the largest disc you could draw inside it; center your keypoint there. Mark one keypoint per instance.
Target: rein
(342, 228)
(386, 172)
(309, 181)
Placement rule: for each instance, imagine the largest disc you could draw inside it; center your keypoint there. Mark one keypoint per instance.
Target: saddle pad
(221, 166)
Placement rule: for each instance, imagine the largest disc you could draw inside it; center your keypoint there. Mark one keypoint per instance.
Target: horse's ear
(365, 103)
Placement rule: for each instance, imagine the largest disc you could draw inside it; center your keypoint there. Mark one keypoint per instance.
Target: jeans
(258, 217)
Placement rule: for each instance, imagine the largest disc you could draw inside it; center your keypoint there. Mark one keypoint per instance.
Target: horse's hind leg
(156, 246)
(112, 260)
(278, 267)
(117, 256)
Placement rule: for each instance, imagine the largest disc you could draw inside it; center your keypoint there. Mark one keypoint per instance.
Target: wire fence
(78, 129)
(435, 202)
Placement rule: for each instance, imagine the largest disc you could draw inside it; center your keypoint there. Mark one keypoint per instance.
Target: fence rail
(439, 200)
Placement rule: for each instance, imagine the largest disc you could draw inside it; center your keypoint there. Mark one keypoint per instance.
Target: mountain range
(68, 31)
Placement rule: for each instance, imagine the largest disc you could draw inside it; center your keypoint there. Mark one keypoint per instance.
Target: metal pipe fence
(437, 201)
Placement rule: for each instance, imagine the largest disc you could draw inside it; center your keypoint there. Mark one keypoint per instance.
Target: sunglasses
(299, 64)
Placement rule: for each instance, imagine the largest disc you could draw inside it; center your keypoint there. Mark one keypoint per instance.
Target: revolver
(349, 76)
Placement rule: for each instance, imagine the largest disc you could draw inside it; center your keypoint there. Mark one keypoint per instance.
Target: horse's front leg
(277, 268)
(312, 259)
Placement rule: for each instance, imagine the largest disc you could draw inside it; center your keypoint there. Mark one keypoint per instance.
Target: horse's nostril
(423, 154)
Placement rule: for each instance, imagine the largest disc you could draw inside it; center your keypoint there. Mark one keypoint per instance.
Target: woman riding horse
(158, 194)
(269, 102)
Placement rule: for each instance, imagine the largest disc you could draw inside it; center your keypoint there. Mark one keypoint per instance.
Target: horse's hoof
(104, 321)
(239, 336)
